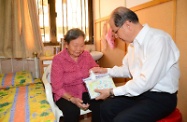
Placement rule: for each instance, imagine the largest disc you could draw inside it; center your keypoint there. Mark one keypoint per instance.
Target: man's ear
(127, 24)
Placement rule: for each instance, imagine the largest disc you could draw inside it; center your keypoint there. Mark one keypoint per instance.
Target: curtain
(75, 15)
(20, 35)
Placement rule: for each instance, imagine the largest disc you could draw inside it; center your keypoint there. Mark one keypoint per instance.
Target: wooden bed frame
(8, 65)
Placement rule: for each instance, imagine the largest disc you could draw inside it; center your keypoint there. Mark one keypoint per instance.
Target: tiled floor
(88, 119)
(83, 118)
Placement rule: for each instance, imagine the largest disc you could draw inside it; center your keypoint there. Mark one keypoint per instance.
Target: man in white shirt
(152, 64)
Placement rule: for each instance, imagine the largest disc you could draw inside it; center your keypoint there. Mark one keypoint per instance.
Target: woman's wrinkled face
(76, 47)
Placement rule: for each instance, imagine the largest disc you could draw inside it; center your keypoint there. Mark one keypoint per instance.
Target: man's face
(122, 32)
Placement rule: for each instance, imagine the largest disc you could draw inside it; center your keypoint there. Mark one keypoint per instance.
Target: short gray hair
(72, 34)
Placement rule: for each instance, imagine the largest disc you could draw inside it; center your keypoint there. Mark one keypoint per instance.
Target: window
(56, 17)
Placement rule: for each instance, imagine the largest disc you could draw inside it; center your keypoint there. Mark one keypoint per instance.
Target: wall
(181, 40)
(132, 3)
(103, 8)
(172, 18)
(101, 13)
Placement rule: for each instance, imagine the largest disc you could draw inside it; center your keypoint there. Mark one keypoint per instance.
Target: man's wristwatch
(111, 93)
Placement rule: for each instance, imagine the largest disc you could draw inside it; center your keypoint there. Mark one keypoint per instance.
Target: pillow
(16, 79)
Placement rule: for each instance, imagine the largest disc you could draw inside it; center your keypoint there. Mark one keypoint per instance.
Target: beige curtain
(75, 15)
(19, 29)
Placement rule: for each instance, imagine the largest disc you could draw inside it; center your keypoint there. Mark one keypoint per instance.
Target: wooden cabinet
(44, 62)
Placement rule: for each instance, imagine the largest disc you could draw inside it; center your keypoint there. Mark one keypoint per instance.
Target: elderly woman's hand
(78, 102)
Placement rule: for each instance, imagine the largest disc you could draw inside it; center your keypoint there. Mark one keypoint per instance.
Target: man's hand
(104, 93)
(99, 70)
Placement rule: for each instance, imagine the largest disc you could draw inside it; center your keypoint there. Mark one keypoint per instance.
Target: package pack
(98, 81)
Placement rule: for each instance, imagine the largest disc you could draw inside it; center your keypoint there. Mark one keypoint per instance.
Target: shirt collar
(141, 35)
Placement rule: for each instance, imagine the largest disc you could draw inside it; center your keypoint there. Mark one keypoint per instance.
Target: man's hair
(121, 14)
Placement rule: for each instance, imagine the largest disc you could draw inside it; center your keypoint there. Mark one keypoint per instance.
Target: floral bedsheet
(25, 104)
(15, 79)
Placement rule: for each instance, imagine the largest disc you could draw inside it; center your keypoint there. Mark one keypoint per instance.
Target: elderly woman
(69, 67)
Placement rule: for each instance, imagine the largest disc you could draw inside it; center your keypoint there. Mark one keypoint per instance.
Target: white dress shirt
(151, 62)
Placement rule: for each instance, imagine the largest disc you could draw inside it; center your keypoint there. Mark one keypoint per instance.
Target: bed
(22, 95)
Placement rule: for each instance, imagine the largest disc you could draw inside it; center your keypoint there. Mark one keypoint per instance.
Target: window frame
(53, 26)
